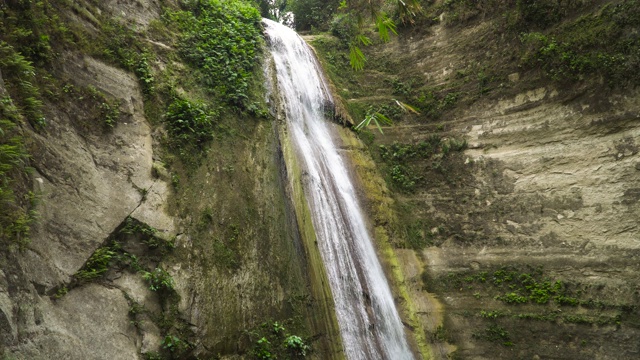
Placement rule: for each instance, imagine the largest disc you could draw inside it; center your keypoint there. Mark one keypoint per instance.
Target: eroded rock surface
(89, 183)
(546, 188)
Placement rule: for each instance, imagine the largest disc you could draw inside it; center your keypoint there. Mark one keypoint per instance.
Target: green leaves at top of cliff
(221, 39)
(359, 14)
(568, 40)
(604, 43)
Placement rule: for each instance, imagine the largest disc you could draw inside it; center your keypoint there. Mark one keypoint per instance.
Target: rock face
(139, 12)
(217, 234)
(553, 188)
(543, 194)
(524, 244)
(89, 183)
(68, 327)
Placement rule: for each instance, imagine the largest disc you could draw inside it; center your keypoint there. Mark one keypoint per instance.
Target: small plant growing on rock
(61, 292)
(295, 345)
(262, 349)
(276, 343)
(172, 343)
(159, 280)
(97, 265)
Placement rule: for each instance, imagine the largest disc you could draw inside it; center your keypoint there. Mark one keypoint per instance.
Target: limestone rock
(90, 322)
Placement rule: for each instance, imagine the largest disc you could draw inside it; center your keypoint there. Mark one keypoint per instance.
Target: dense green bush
(313, 14)
(222, 40)
(159, 280)
(604, 43)
(189, 123)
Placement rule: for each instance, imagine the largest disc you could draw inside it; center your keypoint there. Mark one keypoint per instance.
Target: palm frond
(407, 107)
(356, 57)
(377, 118)
(385, 24)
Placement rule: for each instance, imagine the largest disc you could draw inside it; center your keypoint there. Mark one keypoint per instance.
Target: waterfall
(369, 322)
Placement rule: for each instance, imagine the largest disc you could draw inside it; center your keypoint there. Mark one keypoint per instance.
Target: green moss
(405, 163)
(325, 318)
(593, 44)
(381, 208)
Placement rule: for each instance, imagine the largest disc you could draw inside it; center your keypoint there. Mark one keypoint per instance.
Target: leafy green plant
(14, 220)
(135, 227)
(296, 345)
(222, 40)
(434, 102)
(275, 343)
(277, 328)
(110, 113)
(174, 345)
(402, 178)
(380, 119)
(440, 334)
(159, 280)
(61, 292)
(492, 314)
(497, 333)
(377, 118)
(363, 12)
(189, 123)
(566, 300)
(262, 349)
(142, 69)
(152, 356)
(513, 298)
(20, 72)
(97, 265)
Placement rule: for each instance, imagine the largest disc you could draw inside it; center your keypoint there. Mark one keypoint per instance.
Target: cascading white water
(369, 322)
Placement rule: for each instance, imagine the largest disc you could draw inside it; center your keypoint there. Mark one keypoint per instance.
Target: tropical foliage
(222, 41)
(379, 119)
(353, 17)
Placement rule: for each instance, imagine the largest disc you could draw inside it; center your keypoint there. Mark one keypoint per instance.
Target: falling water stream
(368, 319)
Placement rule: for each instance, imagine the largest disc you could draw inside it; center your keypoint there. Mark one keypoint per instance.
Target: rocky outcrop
(216, 226)
(88, 182)
(545, 189)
